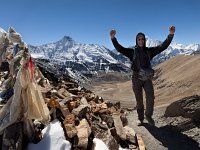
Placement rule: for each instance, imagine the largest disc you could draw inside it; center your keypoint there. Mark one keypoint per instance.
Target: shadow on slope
(172, 138)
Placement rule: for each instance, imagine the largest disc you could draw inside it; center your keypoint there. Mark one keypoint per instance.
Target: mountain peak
(65, 43)
(67, 37)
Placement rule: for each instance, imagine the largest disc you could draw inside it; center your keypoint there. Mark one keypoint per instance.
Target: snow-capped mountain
(88, 59)
(67, 49)
(174, 49)
(75, 57)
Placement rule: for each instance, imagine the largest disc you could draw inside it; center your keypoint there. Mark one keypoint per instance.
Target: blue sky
(89, 21)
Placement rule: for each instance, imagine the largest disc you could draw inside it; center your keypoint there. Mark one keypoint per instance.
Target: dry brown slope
(121, 91)
(176, 78)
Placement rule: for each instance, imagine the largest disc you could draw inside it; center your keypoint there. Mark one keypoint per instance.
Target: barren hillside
(177, 78)
(174, 79)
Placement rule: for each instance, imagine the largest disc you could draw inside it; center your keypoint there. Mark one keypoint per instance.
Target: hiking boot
(150, 120)
(139, 122)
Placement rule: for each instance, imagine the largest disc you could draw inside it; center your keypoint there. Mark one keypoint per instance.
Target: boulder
(188, 107)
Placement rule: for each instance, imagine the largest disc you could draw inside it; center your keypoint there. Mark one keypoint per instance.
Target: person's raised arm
(158, 49)
(128, 52)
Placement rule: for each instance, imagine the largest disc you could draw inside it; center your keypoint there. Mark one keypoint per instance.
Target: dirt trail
(162, 136)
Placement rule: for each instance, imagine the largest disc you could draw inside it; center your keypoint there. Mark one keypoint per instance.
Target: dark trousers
(138, 86)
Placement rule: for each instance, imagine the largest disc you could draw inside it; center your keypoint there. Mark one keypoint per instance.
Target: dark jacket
(145, 54)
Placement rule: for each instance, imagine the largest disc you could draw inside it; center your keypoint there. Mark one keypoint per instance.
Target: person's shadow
(172, 138)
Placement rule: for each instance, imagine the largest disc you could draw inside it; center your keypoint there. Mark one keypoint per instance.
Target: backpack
(144, 73)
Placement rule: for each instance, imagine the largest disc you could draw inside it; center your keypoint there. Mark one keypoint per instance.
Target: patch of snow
(53, 139)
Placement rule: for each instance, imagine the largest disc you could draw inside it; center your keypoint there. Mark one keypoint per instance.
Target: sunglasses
(140, 39)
